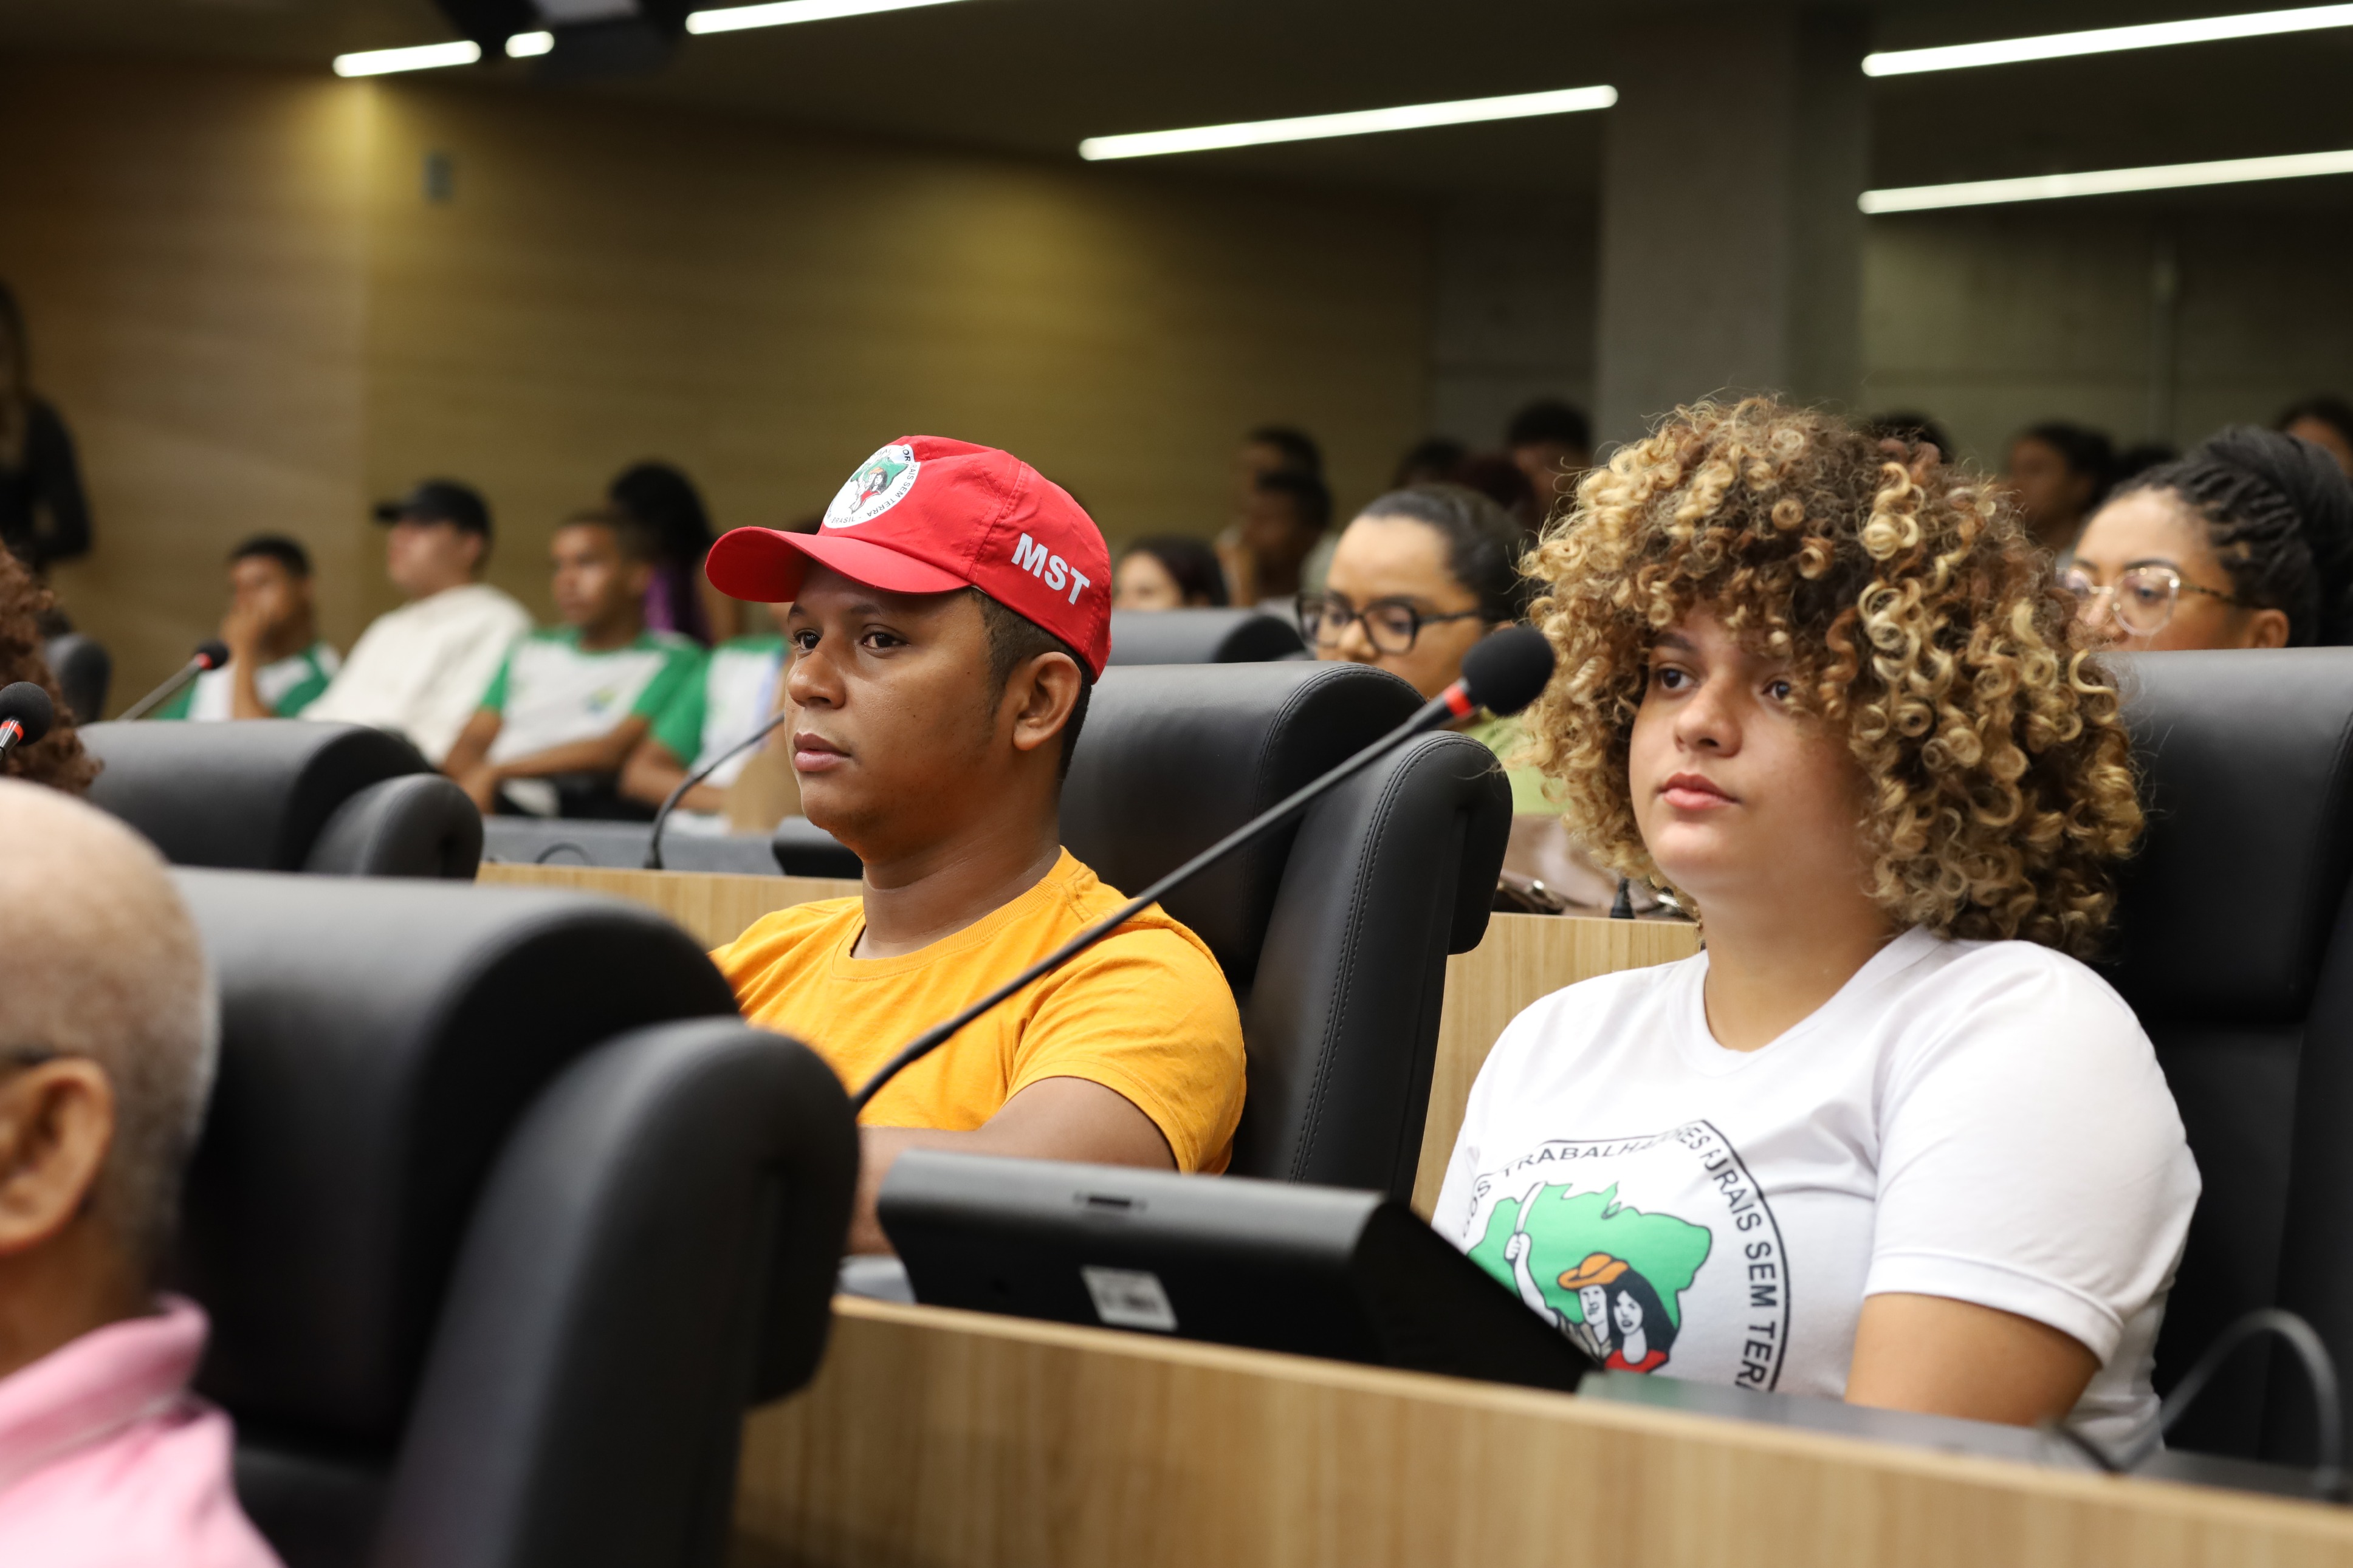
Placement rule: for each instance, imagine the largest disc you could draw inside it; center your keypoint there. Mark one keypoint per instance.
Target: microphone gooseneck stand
(208, 656)
(662, 817)
(1515, 666)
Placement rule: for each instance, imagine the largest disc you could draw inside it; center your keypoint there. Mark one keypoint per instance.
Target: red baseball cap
(927, 515)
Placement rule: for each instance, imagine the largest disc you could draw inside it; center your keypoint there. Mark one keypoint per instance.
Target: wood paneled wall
(254, 313)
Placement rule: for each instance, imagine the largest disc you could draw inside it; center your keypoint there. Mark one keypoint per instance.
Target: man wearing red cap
(948, 622)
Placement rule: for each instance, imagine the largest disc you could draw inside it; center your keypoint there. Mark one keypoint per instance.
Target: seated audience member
(1551, 443)
(678, 597)
(1271, 449)
(1169, 572)
(737, 689)
(1913, 428)
(2326, 423)
(575, 698)
(2245, 542)
(44, 513)
(2056, 477)
(277, 664)
(948, 623)
(419, 669)
(1504, 482)
(1887, 1137)
(1433, 461)
(108, 1019)
(1282, 524)
(57, 759)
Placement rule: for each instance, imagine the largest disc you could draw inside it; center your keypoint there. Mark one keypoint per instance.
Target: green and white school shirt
(735, 697)
(287, 686)
(550, 691)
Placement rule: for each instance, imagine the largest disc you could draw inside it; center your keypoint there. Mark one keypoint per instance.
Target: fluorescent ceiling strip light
(2107, 40)
(2106, 182)
(528, 46)
(1356, 122)
(423, 56)
(783, 13)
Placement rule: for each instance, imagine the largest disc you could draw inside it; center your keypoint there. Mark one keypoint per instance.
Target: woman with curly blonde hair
(1887, 1137)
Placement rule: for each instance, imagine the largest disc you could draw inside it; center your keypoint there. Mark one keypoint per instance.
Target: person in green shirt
(1421, 575)
(277, 664)
(575, 698)
(741, 684)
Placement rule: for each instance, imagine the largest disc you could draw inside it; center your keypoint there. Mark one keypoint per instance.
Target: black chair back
(419, 1319)
(1201, 636)
(1333, 932)
(84, 670)
(2224, 918)
(284, 795)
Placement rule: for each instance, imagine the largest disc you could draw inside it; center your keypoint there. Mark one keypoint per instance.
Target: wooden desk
(1522, 957)
(956, 1440)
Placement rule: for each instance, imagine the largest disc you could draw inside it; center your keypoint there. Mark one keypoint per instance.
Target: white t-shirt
(422, 668)
(1984, 1121)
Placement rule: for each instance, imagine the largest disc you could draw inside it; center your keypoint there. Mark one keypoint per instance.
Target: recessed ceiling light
(2106, 182)
(2107, 40)
(422, 56)
(1355, 122)
(783, 13)
(528, 46)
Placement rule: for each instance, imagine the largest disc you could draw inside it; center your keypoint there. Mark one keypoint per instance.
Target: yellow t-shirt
(1146, 1012)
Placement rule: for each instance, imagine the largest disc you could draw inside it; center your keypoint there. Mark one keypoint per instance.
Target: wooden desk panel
(1522, 958)
(958, 1440)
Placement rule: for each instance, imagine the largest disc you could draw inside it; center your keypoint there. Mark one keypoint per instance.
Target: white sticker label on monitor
(1130, 1298)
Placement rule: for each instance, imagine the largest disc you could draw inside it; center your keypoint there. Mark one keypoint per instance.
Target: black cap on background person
(440, 501)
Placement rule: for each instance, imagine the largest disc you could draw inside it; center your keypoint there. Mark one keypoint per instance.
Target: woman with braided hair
(1887, 1137)
(2245, 542)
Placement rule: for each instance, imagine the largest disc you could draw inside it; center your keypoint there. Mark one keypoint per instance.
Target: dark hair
(1502, 481)
(12, 319)
(276, 547)
(1014, 639)
(57, 759)
(1911, 427)
(2083, 451)
(1549, 419)
(1189, 561)
(2279, 517)
(2333, 411)
(1484, 544)
(1429, 462)
(1659, 1329)
(665, 501)
(1309, 498)
(2141, 456)
(631, 536)
(1298, 448)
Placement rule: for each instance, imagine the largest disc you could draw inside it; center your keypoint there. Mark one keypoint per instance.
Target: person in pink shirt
(108, 1030)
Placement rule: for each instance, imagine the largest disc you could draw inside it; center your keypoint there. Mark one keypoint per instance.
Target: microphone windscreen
(212, 655)
(1506, 670)
(30, 707)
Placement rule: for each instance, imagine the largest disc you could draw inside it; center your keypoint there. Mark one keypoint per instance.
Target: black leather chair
(1201, 636)
(1333, 932)
(83, 669)
(282, 794)
(502, 1218)
(797, 849)
(2230, 947)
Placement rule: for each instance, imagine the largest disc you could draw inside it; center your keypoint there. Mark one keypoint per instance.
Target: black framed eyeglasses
(1391, 626)
(2142, 598)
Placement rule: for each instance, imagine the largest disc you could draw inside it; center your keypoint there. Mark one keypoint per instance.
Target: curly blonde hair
(1922, 625)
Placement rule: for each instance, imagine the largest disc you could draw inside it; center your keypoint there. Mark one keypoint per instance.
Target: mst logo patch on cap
(880, 483)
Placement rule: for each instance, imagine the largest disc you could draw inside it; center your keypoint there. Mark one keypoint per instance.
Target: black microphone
(210, 655)
(1503, 674)
(26, 715)
(662, 817)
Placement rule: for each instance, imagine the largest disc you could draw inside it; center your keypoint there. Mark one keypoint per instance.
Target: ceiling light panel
(2107, 40)
(422, 56)
(783, 13)
(2107, 182)
(1355, 122)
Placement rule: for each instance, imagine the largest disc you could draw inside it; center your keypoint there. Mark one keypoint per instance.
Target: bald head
(103, 964)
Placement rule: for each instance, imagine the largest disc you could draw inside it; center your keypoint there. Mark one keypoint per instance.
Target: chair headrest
(1174, 757)
(2246, 762)
(379, 1041)
(248, 796)
(1201, 636)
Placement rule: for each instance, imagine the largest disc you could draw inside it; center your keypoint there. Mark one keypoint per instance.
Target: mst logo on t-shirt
(1648, 1252)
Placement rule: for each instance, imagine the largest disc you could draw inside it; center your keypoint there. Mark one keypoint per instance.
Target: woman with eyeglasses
(1421, 574)
(2245, 542)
